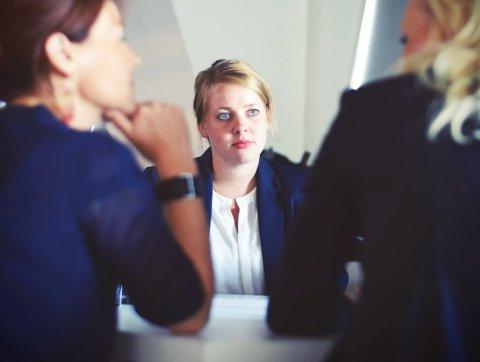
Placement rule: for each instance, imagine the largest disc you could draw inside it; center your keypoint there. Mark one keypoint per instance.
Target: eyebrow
(244, 106)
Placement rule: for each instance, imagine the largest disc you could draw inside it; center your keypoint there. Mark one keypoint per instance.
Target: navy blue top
(417, 203)
(280, 191)
(77, 216)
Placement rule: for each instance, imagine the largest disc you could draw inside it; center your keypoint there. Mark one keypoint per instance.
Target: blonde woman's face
(235, 124)
(416, 27)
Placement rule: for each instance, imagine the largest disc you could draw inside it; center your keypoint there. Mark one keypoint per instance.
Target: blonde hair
(230, 71)
(452, 67)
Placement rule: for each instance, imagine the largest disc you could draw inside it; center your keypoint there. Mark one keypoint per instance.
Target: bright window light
(364, 43)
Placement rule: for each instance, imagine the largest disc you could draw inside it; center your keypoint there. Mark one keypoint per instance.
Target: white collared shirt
(237, 256)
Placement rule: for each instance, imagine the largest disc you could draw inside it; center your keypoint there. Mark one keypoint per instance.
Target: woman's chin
(129, 107)
(244, 156)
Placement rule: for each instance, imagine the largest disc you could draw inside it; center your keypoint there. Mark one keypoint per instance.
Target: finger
(145, 105)
(121, 121)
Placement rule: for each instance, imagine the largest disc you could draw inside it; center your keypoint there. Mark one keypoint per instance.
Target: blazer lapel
(269, 207)
(270, 218)
(204, 163)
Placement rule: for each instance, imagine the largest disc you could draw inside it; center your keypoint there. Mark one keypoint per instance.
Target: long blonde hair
(452, 67)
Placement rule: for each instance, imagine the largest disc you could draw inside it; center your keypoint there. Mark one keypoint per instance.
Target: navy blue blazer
(280, 190)
(76, 216)
(417, 203)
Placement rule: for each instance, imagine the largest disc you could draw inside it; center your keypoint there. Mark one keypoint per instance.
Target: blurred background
(308, 51)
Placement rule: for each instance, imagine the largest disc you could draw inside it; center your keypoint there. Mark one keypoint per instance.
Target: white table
(236, 332)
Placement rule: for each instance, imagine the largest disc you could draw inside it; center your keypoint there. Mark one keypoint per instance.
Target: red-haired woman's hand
(160, 133)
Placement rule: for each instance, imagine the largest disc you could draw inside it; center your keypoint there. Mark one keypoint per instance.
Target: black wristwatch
(183, 186)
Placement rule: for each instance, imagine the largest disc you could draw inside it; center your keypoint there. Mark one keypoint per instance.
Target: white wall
(303, 48)
(165, 73)
(334, 26)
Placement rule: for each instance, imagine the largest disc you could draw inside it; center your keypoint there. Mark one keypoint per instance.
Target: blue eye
(224, 116)
(253, 112)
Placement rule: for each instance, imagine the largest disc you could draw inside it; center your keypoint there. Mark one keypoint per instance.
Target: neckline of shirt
(241, 201)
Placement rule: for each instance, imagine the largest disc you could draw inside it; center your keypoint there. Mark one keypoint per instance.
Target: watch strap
(183, 186)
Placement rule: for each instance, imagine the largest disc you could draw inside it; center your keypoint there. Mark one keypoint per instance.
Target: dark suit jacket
(280, 189)
(76, 216)
(418, 206)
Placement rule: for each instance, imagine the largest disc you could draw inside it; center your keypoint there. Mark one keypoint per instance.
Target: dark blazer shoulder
(204, 164)
(291, 177)
(395, 85)
(401, 93)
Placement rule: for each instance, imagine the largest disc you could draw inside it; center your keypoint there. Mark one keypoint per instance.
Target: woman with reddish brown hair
(76, 215)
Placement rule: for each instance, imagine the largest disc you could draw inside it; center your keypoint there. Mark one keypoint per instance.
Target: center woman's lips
(242, 144)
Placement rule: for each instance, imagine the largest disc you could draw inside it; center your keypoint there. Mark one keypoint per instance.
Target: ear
(201, 129)
(59, 53)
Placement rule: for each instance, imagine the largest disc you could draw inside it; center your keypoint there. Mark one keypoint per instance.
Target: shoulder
(106, 159)
(103, 145)
(200, 161)
(102, 148)
(204, 163)
(291, 177)
(394, 83)
(292, 174)
(386, 95)
(381, 107)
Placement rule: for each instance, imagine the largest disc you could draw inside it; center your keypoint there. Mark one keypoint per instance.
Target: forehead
(232, 95)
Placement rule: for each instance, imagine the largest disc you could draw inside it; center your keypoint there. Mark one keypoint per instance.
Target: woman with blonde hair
(76, 214)
(250, 200)
(400, 166)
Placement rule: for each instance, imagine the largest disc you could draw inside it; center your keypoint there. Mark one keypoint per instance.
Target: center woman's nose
(240, 124)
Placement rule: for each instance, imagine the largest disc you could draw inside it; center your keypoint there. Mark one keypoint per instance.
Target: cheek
(417, 28)
(416, 43)
(203, 130)
(215, 134)
(105, 82)
(261, 133)
(215, 129)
